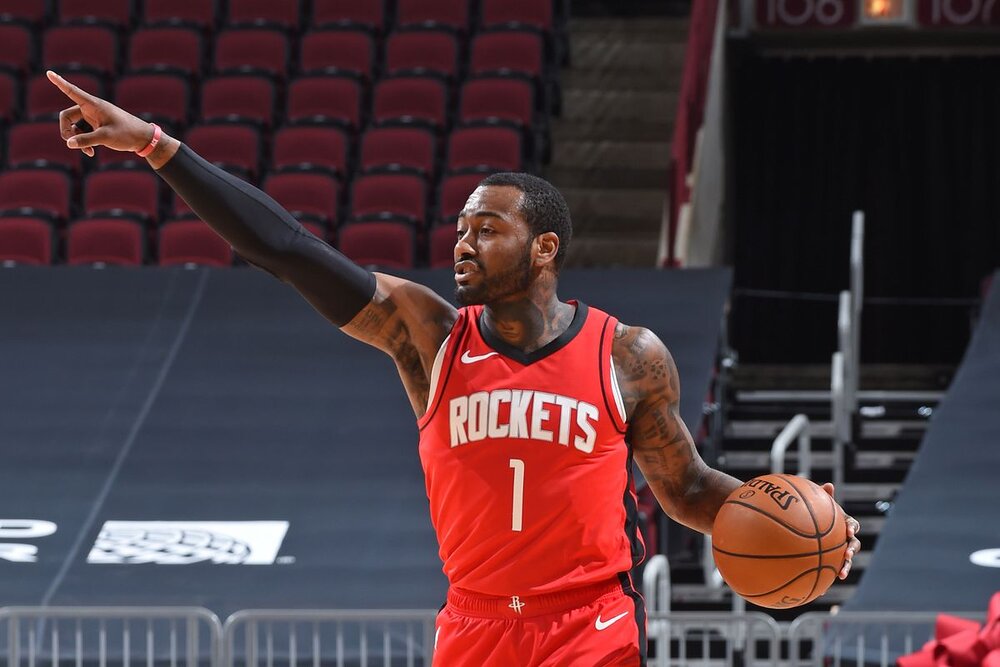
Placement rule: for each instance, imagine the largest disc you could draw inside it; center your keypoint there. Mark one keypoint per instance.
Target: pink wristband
(152, 142)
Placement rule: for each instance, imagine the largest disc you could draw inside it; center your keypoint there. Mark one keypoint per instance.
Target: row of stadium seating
(310, 194)
(188, 241)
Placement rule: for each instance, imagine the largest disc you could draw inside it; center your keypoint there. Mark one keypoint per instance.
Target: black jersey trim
(639, 617)
(603, 364)
(525, 358)
(632, 513)
(448, 360)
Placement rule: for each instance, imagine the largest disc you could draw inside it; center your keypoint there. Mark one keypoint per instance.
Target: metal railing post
(798, 429)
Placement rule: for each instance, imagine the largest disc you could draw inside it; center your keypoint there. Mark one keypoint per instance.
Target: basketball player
(530, 409)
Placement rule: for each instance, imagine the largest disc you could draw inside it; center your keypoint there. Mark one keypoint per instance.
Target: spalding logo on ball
(779, 541)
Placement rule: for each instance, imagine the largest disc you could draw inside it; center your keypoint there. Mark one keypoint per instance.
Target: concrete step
(585, 128)
(669, 29)
(619, 105)
(873, 460)
(630, 205)
(878, 430)
(619, 78)
(620, 178)
(611, 155)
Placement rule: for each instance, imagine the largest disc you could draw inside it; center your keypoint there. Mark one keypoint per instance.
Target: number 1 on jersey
(518, 508)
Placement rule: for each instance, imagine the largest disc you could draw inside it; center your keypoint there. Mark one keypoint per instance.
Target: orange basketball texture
(779, 541)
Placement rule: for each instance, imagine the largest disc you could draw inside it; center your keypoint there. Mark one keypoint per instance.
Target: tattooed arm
(686, 487)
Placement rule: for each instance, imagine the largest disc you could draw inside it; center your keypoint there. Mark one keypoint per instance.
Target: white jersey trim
(616, 390)
(436, 372)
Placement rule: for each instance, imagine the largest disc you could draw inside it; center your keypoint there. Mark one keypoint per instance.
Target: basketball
(779, 541)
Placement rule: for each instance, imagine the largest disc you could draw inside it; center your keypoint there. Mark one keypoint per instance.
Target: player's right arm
(406, 320)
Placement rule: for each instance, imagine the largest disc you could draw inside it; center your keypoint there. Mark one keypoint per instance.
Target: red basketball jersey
(527, 469)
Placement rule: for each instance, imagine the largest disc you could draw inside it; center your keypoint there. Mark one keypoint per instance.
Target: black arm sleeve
(266, 235)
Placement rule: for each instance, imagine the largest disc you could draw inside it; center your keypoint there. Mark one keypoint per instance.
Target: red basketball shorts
(598, 626)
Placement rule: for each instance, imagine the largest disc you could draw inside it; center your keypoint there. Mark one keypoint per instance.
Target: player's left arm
(688, 489)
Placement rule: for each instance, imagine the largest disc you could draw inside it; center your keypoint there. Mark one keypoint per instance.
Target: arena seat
(16, 48)
(41, 191)
(84, 47)
(485, 147)
(388, 243)
(159, 98)
(315, 146)
(43, 101)
(422, 52)
(244, 99)
(26, 240)
(441, 246)
(451, 14)
(410, 99)
(454, 192)
(10, 98)
(107, 241)
(398, 149)
(260, 51)
(326, 99)
(306, 192)
(122, 191)
(380, 196)
(39, 143)
(349, 52)
(227, 145)
(191, 241)
(200, 14)
(367, 14)
(172, 49)
(285, 15)
(32, 12)
(114, 13)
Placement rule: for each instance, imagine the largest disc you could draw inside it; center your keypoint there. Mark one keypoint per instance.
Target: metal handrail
(838, 409)
(797, 429)
(857, 299)
(656, 583)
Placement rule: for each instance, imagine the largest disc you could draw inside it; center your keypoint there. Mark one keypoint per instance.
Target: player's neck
(529, 321)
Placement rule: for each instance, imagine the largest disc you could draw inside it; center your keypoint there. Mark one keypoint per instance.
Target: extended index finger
(69, 90)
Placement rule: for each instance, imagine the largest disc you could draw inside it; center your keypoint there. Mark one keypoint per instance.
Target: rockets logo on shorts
(523, 414)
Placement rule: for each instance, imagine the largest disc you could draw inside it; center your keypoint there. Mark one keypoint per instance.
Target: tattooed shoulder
(643, 365)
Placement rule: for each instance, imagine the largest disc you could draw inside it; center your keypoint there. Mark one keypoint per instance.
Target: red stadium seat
(36, 191)
(398, 148)
(252, 50)
(191, 241)
(504, 13)
(158, 98)
(350, 52)
(498, 98)
(379, 196)
(10, 102)
(16, 48)
(172, 49)
(508, 51)
(26, 240)
(451, 14)
(285, 15)
(441, 246)
(227, 145)
(201, 14)
(422, 51)
(116, 191)
(90, 47)
(367, 14)
(454, 192)
(327, 99)
(497, 148)
(44, 101)
(388, 244)
(38, 143)
(35, 12)
(309, 193)
(238, 98)
(312, 146)
(420, 100)
(105, 241)
(116, 13)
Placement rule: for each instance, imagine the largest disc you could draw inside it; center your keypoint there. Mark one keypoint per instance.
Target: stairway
(889, 429)
(611, 146)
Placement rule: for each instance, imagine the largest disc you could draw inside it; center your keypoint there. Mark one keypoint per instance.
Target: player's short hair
(542, 206)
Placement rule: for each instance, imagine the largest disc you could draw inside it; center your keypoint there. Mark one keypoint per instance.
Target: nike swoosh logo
(469, 359)
(601, 625)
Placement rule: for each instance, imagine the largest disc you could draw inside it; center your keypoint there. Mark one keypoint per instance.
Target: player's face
(494, 249)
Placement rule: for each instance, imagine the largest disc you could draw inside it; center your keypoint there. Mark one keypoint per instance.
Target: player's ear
(546, 247)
